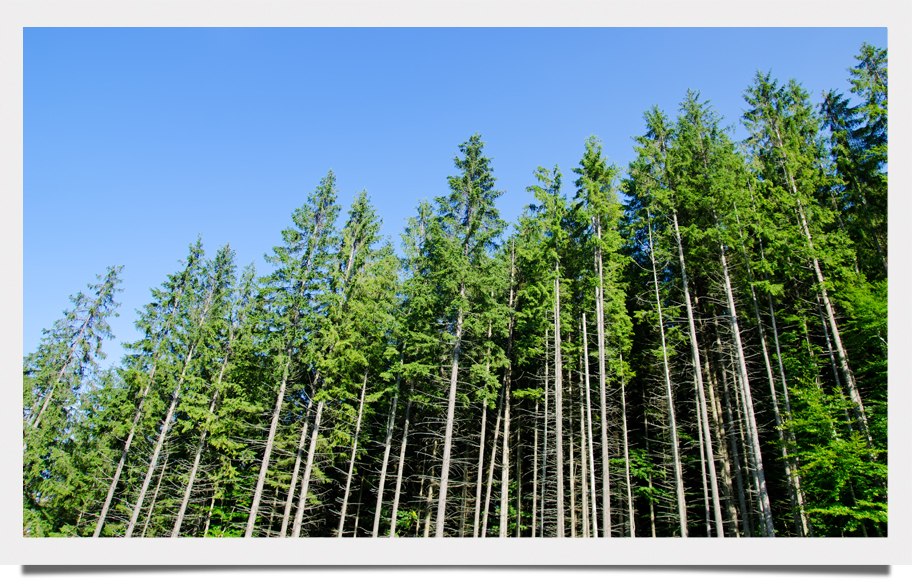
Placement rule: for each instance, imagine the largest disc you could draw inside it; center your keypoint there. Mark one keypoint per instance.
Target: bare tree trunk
(584, 486)
(158, 446)
(797, 501)
(765, 507)
(199, 449)
(161, 475)
(558, 413)
(589, 428)
(505, 458)
(209, 516)
(270, 441)
(858, 407)
(695, 355)
(793, 457)
(630, 519)
(544, 478)
(572, 467)
(395, 513)
(123, 455)
(703, 468)
(487, 505)
(386, 452)
(535, 474)
(673, 427)
(481, 450)
(451, 410)
(519, 473)
(308, 468)
(292, 486)
(351, 463)
(728, 494)
(652, 518)
(505, 463)
(430, 498)
(600, 327)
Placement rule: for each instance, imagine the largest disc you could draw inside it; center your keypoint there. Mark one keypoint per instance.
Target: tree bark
(698, 372)
(589, 433)
(158, 446)
(308, 468)
(386, 452)
(395, 512)
(673, 427)
(351, 463)
(292, 486)
(161, 475)
(558, 413)
(270, 441)
(600, 326)
(765, 508)
(448, 437)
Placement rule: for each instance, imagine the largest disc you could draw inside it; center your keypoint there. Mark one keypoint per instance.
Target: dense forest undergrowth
(693, 346)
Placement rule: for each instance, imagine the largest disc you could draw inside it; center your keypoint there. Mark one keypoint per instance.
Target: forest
(691, 346)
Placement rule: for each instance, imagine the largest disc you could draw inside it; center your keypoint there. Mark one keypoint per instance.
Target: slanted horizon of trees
(694, 345)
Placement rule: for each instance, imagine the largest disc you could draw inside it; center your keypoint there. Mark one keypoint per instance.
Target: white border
(14, 15)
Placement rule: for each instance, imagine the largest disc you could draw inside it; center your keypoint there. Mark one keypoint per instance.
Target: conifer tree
(467, 227)
(54, 377)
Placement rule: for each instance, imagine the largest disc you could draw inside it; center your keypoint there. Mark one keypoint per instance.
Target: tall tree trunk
(857, 405)
(430, 498)
(209, 516)
(535, 506)
(630, 519)
(695, 356)
(600, 328)
(292, 486)
(161, 475)
(505, 459)
(793, 456)
(386, 452)
(351, 463)
(584, 485)
(765, 508)
(175, 532)
(797, 502)
(729, 420)
(558, 413)
(519, 495)
(451, 410)
(544, 478)
(481, 450)
(673, 426)
(270, 441)
(592, 493)
(719, 432)
(652, 518)
(487, 505)
(703, 468)
(395, 512)
(199, 449)
(572, 478)
(158, 447)
(308, 468)
(505, 465)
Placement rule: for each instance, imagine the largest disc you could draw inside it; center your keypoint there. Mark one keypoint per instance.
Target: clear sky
(138, 140)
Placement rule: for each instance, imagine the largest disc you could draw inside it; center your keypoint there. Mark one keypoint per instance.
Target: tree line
(693, 346)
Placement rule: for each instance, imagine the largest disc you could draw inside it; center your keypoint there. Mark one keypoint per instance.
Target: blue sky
(138, 140)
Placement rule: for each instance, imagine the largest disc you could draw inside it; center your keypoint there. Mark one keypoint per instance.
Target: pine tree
(54, 379)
